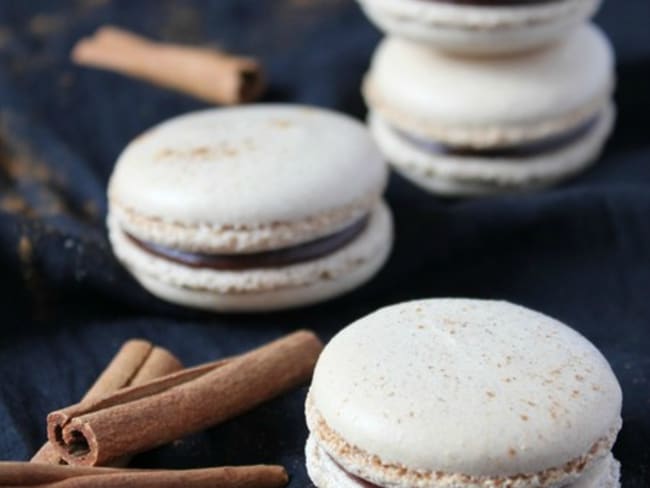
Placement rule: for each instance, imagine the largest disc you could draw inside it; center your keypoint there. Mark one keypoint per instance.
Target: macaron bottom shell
(263, 289)
(478, 30)
(326, 473)
(454, 175)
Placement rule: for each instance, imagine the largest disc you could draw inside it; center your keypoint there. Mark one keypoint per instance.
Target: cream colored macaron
(464, 127)
(248, 209)
(480, 27)
(465, 394)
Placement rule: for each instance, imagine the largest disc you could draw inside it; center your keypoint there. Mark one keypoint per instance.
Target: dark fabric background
(579, 252)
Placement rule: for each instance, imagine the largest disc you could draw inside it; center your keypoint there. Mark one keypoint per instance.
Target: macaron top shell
(470, 387)
(224, 174)
(491, 101)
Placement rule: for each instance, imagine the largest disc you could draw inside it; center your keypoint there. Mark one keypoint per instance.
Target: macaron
(462, 393)
(480, 27)
(491, 125)
(251, 208)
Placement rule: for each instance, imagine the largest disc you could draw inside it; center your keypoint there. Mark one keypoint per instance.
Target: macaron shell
(325, 473)
(469, 387)
(450, 175)
(215, 180)
(604, 474)
(479, 30)
(262, 289)
(373, 470)
(491, 102)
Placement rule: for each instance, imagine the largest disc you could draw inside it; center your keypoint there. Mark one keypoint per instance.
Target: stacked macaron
(458, 393)
(248, 209)
(470, 97)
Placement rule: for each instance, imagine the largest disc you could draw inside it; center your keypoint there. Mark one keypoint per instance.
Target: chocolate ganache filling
(527, 150)
(266, 259)
(353, 477)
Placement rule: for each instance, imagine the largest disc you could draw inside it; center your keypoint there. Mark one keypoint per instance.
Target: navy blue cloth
(579, 252)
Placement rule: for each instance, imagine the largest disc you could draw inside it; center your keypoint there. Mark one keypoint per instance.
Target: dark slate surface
(579, 252)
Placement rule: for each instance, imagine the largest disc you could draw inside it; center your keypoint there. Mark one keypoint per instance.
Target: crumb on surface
(281, 123)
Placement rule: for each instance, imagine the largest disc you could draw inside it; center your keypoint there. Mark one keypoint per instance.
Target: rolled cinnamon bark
(144, 417)
(136, 392)
(160, 362)
(44, 476)
(208, 74)
(137, 362)
(30, 474)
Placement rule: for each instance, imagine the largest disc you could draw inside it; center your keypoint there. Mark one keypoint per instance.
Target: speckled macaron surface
(251, 208)
(520, 121)
(462, 393)
(480, 27)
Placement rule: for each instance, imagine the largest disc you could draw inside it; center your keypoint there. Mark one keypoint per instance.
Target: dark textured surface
(579, 252)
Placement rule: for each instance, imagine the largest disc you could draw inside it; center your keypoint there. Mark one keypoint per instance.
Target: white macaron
(480, 27)
(254, 208)
(462, 393)
(465, 127)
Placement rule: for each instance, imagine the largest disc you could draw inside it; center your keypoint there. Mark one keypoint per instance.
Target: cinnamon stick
(143, 417)
(45, 476)
(208, 74)
(137, 362)
(137, 392)
(30, 474)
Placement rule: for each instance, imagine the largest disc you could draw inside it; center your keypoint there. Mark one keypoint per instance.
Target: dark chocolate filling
(353, 477)
(530, 149)
(266, 259)
(493, 3)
